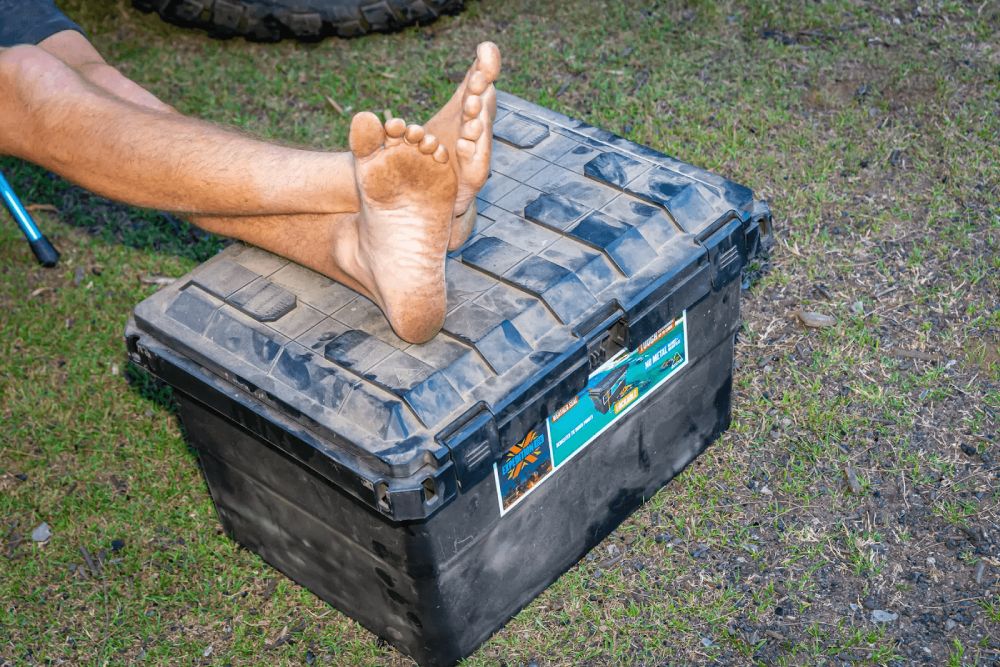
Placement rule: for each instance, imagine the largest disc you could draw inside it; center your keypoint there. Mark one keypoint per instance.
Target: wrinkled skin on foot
(407, 188)
(465, 126)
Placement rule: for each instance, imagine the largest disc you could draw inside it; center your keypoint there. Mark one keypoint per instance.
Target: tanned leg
(385, 236)
(54, 117)
(293, 235)
(393, 250)
(80, 55)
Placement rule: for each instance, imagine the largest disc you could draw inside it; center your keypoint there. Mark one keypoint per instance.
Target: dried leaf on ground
(815, 320)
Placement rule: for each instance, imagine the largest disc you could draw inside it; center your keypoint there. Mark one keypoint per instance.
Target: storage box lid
(581, 236)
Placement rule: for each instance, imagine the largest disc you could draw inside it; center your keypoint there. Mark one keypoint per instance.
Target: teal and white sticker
(613, 390)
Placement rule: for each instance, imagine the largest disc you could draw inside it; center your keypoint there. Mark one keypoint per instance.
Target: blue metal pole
(44, 251)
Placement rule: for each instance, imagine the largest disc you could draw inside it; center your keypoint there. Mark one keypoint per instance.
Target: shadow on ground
(109, 221)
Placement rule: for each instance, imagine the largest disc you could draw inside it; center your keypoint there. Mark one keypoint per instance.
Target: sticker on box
(613, 390)
(523, 467)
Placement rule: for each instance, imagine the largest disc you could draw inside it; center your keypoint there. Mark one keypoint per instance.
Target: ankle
(468, 215)
(341, 188)
(350, 257)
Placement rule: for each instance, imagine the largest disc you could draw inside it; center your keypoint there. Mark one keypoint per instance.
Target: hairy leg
(388, 241)
(311, 239)
(297, 236)
(80, 55)
(54, 116)
(393, 250)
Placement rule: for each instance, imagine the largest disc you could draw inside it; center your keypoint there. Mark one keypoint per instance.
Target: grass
(872, 130)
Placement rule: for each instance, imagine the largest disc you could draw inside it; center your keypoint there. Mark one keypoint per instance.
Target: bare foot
(407, 191)
(393, 249)
(465, 126)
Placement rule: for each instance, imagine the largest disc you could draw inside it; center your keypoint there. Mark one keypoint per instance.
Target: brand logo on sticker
(525, 452)
(655, 338)
(613, 390)
(564, 409)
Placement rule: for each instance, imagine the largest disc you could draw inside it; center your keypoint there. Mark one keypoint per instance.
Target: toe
(488, 60)
(395, 127)
(472, 106)
(477, 83)
(489, 99)
(428, 144)
(466, 149)
(414, 133)
(366, 135)
(441, 154)
(472, 129)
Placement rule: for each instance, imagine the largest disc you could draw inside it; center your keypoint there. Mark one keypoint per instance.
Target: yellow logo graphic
(624, 401)
(523, 453)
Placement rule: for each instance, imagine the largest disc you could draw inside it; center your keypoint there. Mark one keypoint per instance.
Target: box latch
(727, 249)
(474, 443)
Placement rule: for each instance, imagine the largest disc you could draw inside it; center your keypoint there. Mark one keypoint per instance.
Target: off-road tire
(271, 20)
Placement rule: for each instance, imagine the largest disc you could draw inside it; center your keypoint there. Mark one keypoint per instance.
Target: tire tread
(272, 20)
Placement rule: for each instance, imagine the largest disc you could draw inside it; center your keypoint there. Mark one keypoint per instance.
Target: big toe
(366, 135)
(488, 60)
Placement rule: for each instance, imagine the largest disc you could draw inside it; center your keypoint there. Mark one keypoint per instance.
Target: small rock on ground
(852, 480)
(41, 533)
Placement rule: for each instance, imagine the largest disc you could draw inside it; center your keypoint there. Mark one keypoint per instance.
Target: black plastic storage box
(431, 491)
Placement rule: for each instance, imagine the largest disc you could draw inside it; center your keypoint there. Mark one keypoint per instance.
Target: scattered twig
(948, 604)
(281, 638)
(333, 103)
(94, 568)
(795, 251)
(899, 352)
(48, 208)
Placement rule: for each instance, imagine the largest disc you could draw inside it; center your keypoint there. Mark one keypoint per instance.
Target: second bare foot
(465, 126)
(407, 189)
